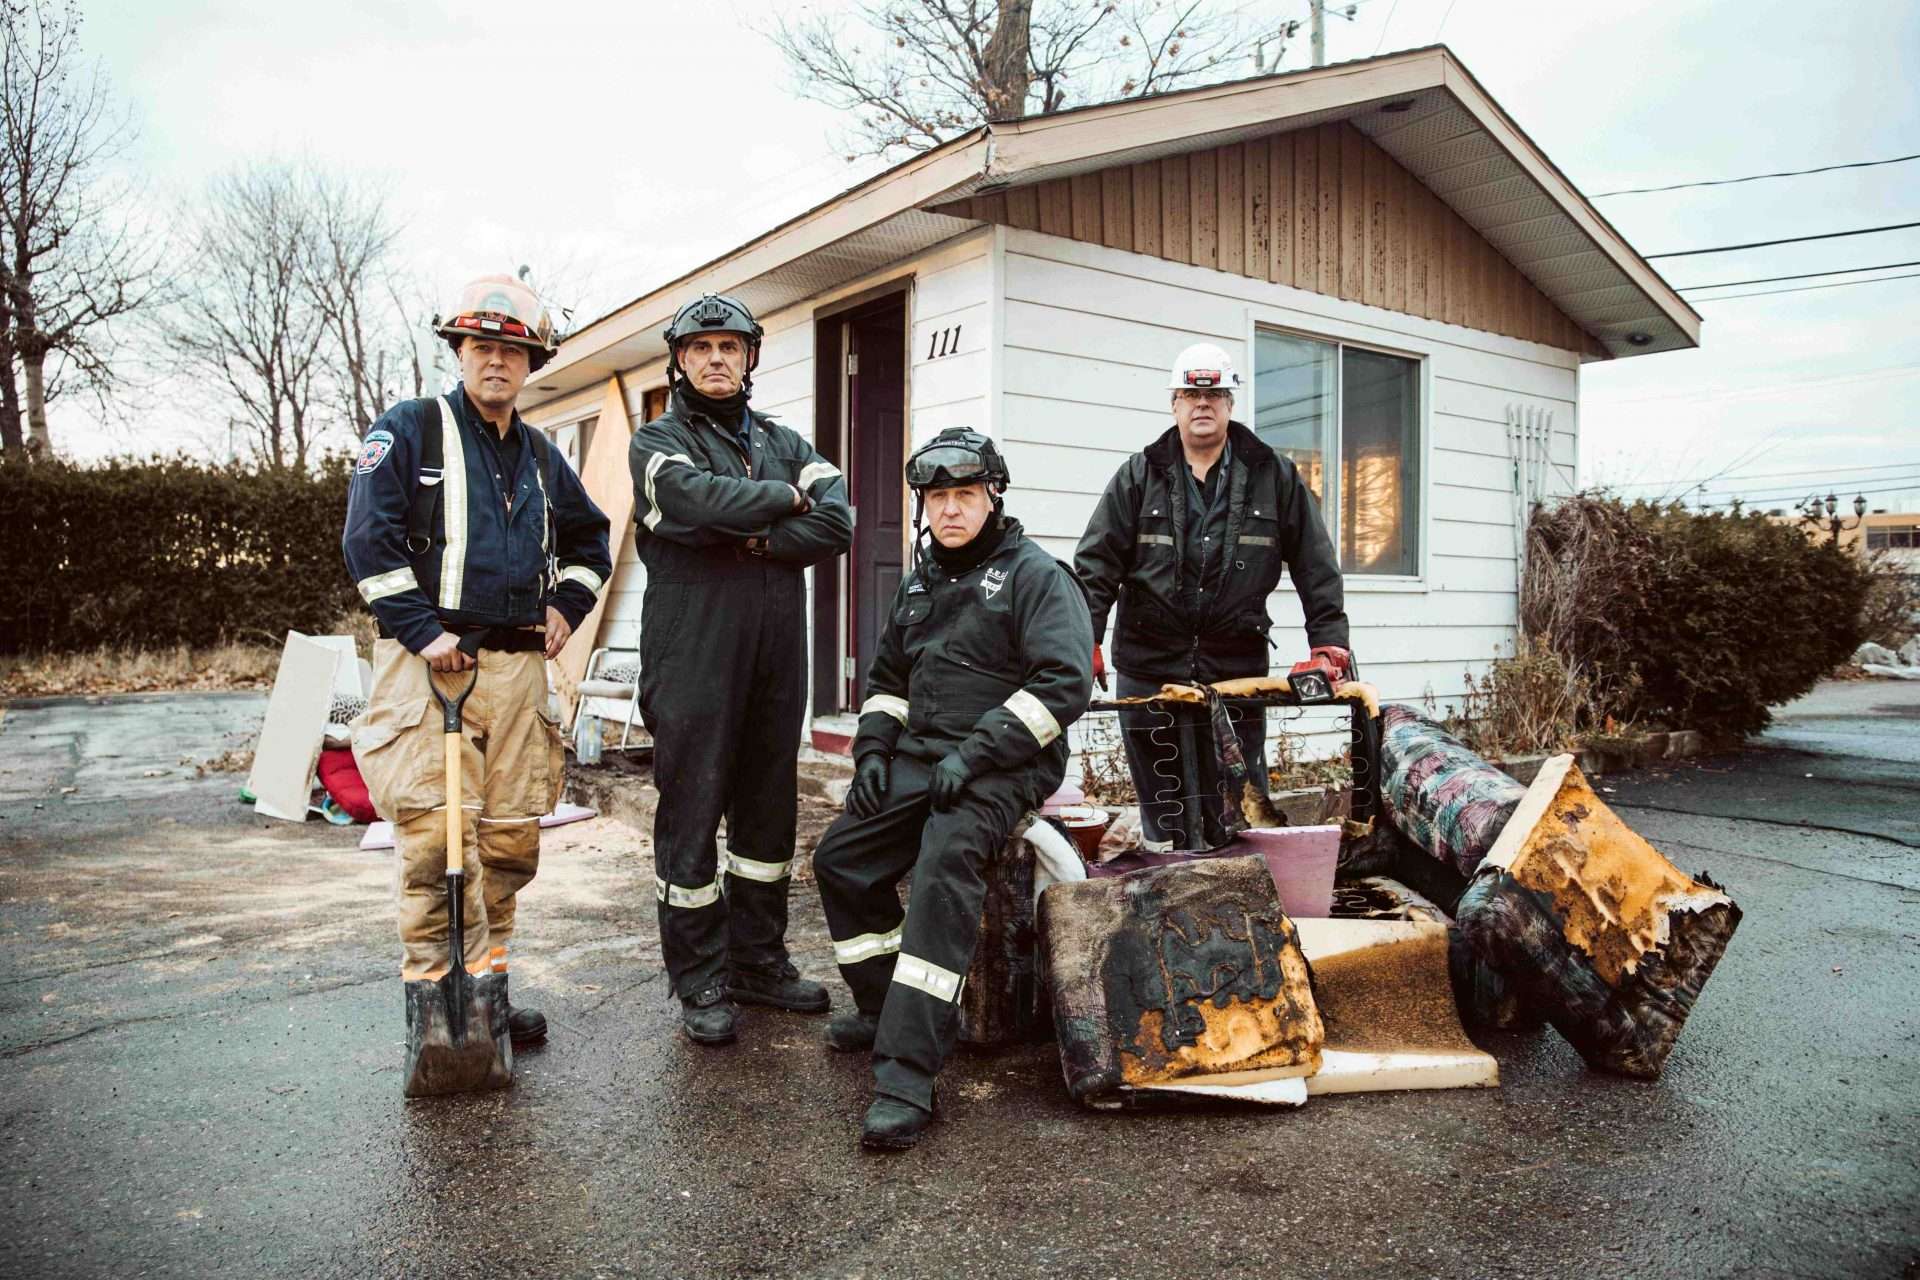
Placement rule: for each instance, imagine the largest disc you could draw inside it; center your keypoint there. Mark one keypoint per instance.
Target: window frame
(1328, 330)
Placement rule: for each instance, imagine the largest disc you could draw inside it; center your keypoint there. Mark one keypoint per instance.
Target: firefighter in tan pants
(472, 541)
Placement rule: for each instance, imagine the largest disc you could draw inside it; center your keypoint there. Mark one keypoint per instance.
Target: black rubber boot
(893, 1125)
(852, 1031)
(709, 1017)
(782, 988)
(525, 1026)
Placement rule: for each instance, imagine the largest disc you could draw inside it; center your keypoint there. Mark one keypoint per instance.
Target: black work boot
(781, 987)
(709, 1017)
(893, 1125)
(852, 1031)
(525, 1026)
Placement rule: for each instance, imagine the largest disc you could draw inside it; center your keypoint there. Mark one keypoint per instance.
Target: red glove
(1339, 659)
(1099, 667)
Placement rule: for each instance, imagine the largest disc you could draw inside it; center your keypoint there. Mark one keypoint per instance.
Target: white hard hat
(1204, 365)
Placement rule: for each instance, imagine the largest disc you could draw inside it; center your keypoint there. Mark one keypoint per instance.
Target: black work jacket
(993, 662)
(699, 500)
(487, 563)
(1134, 553)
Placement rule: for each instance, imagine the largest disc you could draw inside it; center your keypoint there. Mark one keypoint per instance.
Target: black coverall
(992, 662)
(723, 674)
(1138, 552)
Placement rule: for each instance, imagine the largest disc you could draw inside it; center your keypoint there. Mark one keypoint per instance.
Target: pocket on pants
(556, 757)
(401, 758)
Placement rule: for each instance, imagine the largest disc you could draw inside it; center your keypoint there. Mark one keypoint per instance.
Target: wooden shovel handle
(456, 865)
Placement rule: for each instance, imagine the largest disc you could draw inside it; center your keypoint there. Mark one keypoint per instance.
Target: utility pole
(1317, 10)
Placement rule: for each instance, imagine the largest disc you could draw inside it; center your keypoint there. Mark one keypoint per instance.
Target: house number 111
(943, 342)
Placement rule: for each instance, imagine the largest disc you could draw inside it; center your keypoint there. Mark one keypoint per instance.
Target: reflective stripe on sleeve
(382, 585)
(867, 946)
(924, 975)
(453, 507)
(674, 896)
(658, 460)
(1160, 539)
(1255, 540)
(1033, 714)
(764, 872)
(885, 704)
(584, 576)
(814, 472)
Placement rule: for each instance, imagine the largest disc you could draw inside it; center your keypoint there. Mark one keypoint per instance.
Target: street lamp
(1834, 524)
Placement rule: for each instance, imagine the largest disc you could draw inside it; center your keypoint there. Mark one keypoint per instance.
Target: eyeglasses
(1203, 395)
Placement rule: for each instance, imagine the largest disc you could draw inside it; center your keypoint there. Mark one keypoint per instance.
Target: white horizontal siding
(1090, 333)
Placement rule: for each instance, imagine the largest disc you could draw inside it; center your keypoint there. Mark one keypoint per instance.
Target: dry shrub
(1699, 621)
(120, 670)
(1526, 703)
(1892, 613)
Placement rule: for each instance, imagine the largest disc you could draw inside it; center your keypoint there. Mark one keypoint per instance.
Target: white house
(1411, 282)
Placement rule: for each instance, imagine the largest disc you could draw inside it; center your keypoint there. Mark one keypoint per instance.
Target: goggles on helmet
(947, 464)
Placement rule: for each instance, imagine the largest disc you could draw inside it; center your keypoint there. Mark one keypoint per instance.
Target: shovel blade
(457, 1039)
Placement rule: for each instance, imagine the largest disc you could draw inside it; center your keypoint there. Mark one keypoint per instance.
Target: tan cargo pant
(512, 772)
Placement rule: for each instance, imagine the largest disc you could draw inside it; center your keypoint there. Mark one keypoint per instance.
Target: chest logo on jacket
(992, 581)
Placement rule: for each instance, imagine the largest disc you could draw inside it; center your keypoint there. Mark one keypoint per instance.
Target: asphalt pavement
(201, 1025)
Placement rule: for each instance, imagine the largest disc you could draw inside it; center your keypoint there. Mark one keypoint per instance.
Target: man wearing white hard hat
(1189, 539)
(475, 545)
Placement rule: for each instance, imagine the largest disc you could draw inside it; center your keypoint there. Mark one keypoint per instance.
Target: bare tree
(246, 319)
(349, 277)
(71, 262)
(922, 71)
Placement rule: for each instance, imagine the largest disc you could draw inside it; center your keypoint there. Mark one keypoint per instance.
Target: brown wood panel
(1116, 208)
(1280, 209)
(1374, 180)
(1353, 214)
(1417, 230)
(1306, 210)
(1398, 200)
(1323, 209)
(1023, 208)
(1327, 142)
(1146, 208)
(1056, 208)
(1257, 234)
(1203, 170)
(1233, 205)
(1086, 207)
(1176, 218)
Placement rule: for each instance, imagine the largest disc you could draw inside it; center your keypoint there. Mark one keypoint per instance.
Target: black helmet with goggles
(955, 457)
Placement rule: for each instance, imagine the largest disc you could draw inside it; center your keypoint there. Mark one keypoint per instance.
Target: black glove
(949, 778)
(869, 789)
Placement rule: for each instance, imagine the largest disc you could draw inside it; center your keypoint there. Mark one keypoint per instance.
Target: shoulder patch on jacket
(374, 450)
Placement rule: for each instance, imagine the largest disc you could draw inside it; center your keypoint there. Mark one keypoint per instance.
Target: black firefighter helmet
(958, 456)
(712, 313)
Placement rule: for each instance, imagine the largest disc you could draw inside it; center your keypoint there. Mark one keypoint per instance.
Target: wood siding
(1322, 209)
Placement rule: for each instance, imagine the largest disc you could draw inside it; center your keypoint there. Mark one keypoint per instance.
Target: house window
(1878, 539)
(1318, 402)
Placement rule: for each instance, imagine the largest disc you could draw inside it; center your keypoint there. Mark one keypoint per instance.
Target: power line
(1752, 177)
(1801, 493)
(1886, 484)
(1804, 275)
(1745, 393)
(1762, 244)
(1806, 288)
(1824, 472)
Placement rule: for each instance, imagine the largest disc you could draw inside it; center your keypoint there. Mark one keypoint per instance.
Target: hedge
(1696, 621)
(172, 551)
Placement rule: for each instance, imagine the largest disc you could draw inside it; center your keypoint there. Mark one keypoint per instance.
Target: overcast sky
(612, 145)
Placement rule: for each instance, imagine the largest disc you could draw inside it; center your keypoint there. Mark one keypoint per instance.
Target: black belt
(499, 639)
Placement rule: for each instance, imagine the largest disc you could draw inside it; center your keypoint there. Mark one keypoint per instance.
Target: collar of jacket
(469, 414)
(683, 410)
(1010, 536)
(1247, 447)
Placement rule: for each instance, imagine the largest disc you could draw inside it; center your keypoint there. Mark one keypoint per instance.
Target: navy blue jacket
(486, 564)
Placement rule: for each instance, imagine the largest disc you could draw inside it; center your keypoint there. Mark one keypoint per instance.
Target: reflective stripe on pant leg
(676, 896)
(924, 975)
(867, 946)
(764, 872)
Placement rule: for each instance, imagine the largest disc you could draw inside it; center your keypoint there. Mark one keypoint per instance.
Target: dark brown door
(877, 425)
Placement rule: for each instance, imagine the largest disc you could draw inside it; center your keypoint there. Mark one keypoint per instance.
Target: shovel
(457, 1039)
